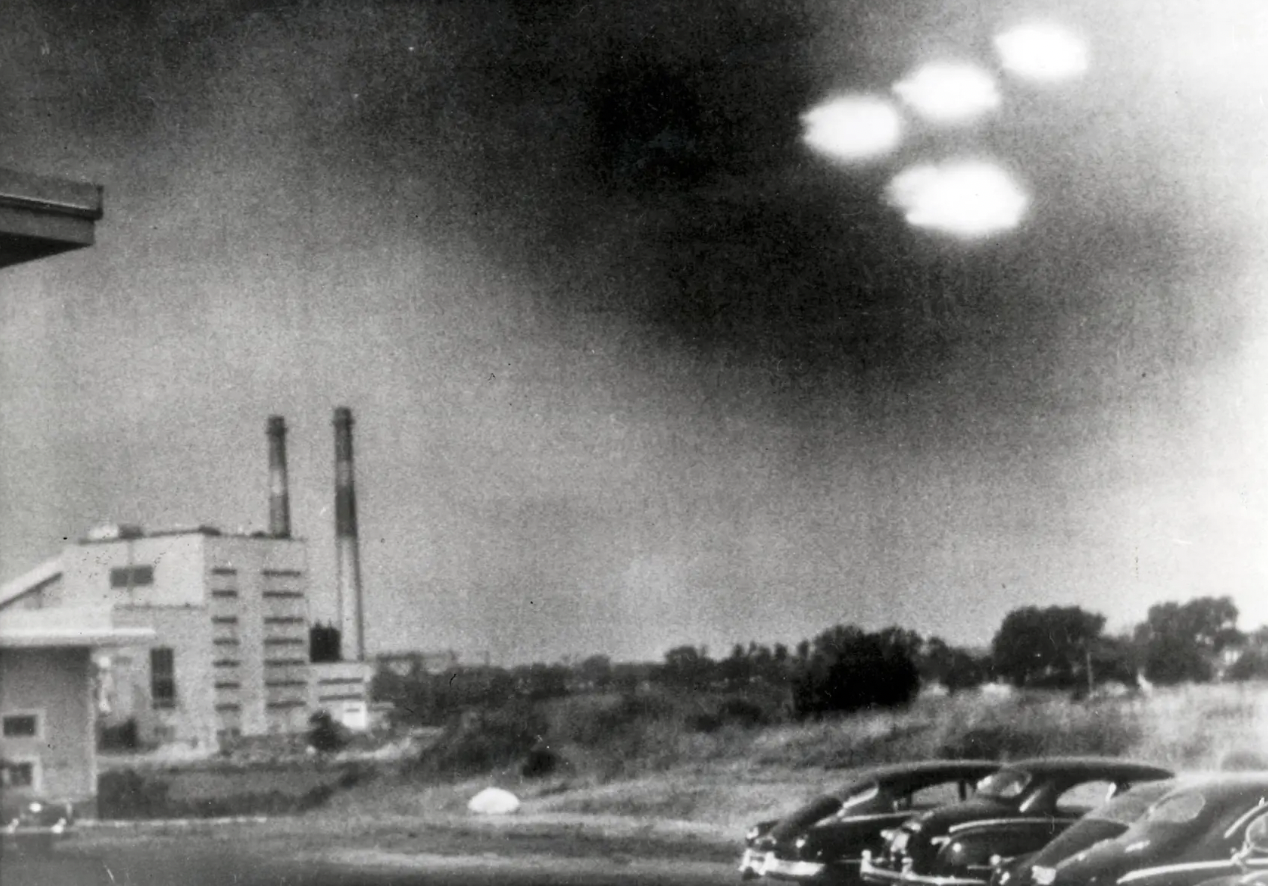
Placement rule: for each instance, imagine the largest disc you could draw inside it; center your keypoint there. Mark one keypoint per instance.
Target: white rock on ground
(494, 801)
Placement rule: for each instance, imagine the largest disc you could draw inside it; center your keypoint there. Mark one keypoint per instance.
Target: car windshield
(1007, 784)
(1129, 807)
(857, 794)
(1180, 809)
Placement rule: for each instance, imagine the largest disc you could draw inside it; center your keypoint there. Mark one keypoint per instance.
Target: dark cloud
(628, 332)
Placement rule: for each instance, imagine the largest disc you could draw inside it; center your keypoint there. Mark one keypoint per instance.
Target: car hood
(1104, 863)
(1080, 836)
(849, 836)
(816, 810)
(937, 821)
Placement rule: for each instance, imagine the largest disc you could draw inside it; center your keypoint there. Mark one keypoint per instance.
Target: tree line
(846, 668)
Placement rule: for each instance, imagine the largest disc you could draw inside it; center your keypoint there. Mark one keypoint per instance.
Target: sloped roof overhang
(42, 216)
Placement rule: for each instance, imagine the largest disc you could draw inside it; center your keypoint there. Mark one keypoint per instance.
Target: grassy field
(667, 756)
(658, 758)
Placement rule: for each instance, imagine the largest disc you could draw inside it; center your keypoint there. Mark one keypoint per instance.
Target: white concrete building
(229, 616)
(47, 705)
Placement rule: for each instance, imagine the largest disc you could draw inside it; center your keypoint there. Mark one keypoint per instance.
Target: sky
(632, 366)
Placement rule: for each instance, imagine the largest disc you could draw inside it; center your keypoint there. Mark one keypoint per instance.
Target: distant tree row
(1178, 642)
(846, 668)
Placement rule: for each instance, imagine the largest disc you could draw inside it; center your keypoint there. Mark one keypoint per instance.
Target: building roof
(69, 626)
(127, 532)
(41, 576)
(41, 216)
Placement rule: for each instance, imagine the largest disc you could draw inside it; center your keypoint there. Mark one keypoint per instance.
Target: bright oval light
(949, 92)
(1041, 51)
(965, 198)
(852, 128)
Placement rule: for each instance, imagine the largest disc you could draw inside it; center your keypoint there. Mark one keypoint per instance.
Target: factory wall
(54, 685)
(233, 611)
(341, 689)
(157, 570)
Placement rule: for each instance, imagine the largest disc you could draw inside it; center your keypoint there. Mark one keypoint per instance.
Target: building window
(21, 725)
(20, 774)
(131, 576)
(163, 678)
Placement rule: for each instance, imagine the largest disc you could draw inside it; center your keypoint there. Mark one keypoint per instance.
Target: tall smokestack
(347, 556)
(279, 494)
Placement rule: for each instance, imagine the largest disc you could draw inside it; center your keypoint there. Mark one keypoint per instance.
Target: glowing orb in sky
(1042, 52)
(949, 92)
(966, 198)
(852, 128)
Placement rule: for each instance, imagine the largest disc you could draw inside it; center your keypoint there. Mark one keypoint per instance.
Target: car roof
(1110, 767)
(922, 770)
(1224, 787)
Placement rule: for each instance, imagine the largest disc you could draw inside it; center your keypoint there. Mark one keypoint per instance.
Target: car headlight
(36, 807)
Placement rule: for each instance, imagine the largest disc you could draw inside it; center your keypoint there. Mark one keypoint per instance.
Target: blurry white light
(949, 92)
(1042, 52)
(852, 128)
(966, 198)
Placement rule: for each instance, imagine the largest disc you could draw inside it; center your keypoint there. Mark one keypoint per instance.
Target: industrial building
(195, 634)
(228, 614)
(47, 710)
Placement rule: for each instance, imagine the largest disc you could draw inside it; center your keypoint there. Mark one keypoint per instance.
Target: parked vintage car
(1195, 833)
(824, 840)
(1016, 811)
(31, 826)
(1251, 860)
(1103, 823)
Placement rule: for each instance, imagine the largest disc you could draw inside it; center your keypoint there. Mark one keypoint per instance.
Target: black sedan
(1251, 859)
(1103, 823)
(825, 839)
(1191, 835)
(1016, 811)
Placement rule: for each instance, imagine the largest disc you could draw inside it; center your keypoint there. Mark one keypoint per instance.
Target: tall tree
(1046, 646)
(1180, 641)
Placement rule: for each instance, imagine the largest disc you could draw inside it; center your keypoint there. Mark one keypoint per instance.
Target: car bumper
(766, 864)
(931, 880)
(879, 875)
(752, 863)
(872, 873)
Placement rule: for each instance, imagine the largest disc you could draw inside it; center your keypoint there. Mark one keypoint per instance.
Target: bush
(861, 671)
(127, 794)
(1252, 665)
(742, 712)
(628, 714)
(485, 741)
(324, 734)
(541, 761)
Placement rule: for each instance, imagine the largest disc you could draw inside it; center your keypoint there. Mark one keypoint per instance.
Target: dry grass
(649, 759)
